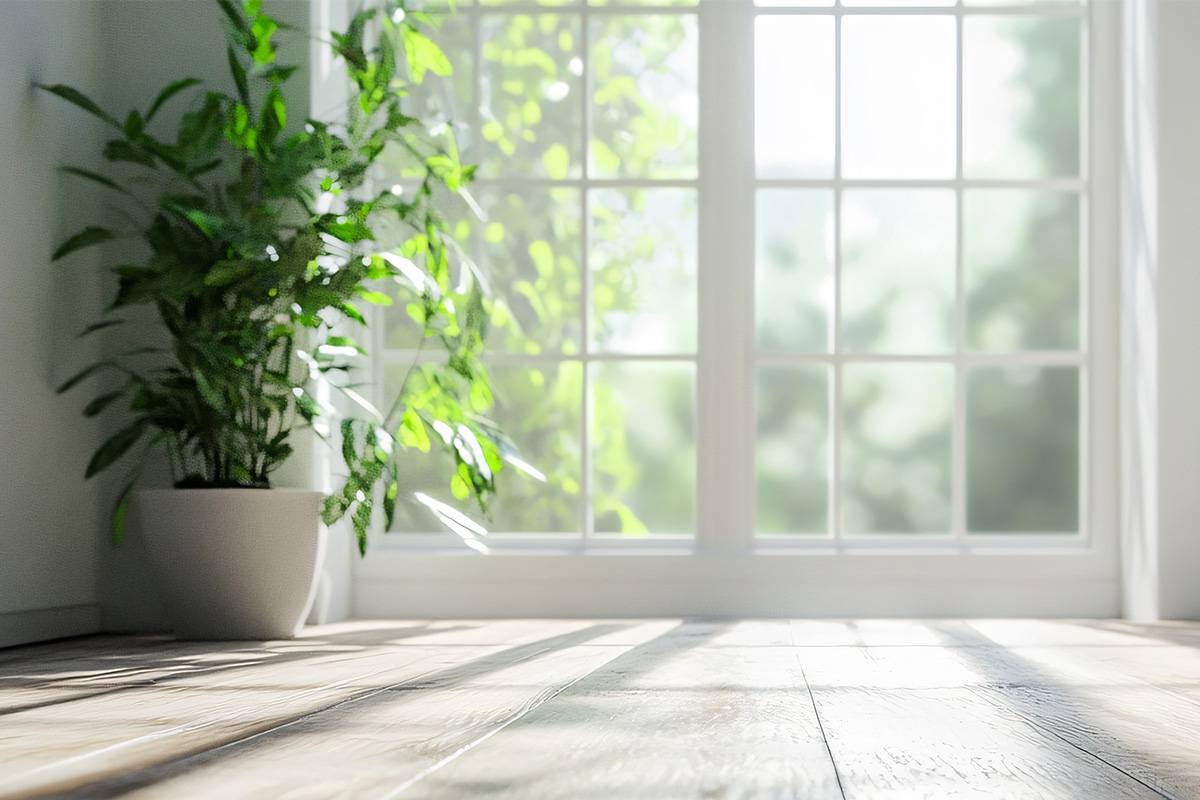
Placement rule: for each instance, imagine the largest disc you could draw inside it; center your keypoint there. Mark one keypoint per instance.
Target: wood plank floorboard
(718, 710)
(590, 709)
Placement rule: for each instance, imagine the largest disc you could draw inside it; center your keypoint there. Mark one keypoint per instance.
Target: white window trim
(724, 571)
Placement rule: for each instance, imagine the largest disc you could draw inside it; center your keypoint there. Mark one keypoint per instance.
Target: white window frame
(726, 569)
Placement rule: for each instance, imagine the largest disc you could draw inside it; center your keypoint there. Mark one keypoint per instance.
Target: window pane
(793, 3)
(898, 251)
(529, 106)
(645, 105)
(1020, 97)
(643, 263)
(541, 409)
(896, 448)
(792, 453)
(531, 253)
(644, 461)
(794, 107)
(1021, 262)
(794, 269)
(1023, 450)
(898, 97)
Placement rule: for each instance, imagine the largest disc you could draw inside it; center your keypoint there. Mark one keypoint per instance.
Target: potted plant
(262, 240)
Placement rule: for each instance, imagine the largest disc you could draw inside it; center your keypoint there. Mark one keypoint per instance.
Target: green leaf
(349, 231)
(204, 168)
(234, 15)
(630, 524)
(171, 89)
(376, 298)
(424, 55)
(80, 376)
(88, 237)
(412, 431)
(492, 131)
(208, 224)
(226, 272)
(353, 313)
(80, 99)
(115, 447)
(306, 406)
(603, 156)
(348, 448)
(362, 523)
(263, 28)
(333, 508)
(239, 75)
(543, 257)
(120, 510)
(280, 74)
(123, 150)
(99, 326)
(345, 341)
(557, 161)
(389, 504)
(95, 177)
(134, 124)
(102, 402)
(459, 488)
(481, 396)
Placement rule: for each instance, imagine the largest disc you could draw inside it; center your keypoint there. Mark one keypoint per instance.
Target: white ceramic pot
(234, 563)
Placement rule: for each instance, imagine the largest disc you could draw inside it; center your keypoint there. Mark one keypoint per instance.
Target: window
(790, 275)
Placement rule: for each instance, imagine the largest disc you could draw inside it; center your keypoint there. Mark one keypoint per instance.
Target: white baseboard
(42, 624)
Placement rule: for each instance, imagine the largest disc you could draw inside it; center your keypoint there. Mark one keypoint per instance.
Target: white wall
(50, 519)
(1178, 294)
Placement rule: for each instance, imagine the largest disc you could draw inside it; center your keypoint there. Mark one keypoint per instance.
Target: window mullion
(835, 333)
(958, 458)
(587, 516)
(725, 380)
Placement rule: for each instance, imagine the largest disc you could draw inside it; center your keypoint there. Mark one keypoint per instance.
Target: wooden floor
(613, 709)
